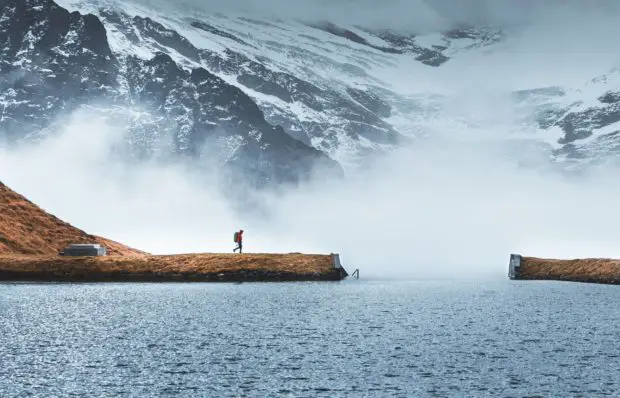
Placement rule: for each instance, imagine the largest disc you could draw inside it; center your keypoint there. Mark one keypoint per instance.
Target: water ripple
(388, 339)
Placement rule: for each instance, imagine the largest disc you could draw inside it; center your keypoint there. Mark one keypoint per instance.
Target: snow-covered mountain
(269, 97)
(587, 120)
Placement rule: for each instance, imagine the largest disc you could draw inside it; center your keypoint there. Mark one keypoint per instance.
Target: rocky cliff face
(50, 60)
(207, 89)
(53, 61)
(586, 120)
(269, 99)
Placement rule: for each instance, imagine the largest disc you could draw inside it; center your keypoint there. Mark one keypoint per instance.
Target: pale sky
(413, 15)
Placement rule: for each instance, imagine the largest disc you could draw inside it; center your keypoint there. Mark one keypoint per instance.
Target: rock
(53, 62)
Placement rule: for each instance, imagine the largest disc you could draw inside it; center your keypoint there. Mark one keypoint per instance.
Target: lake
(436, 338)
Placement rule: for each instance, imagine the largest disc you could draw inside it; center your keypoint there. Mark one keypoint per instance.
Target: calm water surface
(355, 338)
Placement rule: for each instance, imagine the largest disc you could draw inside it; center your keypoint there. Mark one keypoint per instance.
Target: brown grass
(601, 270)
(25, 228)
(92, 268)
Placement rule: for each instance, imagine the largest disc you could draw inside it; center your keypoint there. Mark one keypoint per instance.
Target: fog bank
(457, 203)
(439, 209)
(411, 15)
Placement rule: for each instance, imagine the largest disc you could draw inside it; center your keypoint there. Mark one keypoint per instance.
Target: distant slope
(27, 229)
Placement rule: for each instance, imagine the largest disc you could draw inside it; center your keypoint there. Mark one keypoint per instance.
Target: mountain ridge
(271, 100)
(47, 45)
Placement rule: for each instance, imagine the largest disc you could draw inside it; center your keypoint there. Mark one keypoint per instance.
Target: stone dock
(202, 267)
(589, 270)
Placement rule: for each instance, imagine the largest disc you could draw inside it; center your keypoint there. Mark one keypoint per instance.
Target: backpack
(236, 239)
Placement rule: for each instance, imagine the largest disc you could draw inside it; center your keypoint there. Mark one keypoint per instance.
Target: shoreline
(203, 267)
(588, 270)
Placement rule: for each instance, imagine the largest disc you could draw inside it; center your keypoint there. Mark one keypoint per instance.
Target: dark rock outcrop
(53, 62)
(50, 61)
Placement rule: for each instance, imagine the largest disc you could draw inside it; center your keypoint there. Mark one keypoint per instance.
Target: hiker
(239, 241)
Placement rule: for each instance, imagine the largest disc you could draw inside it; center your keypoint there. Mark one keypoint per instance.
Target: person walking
(239, 241)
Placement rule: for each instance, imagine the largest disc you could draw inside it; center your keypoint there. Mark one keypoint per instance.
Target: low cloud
(440, 209)
(411, 15)
(456, 204)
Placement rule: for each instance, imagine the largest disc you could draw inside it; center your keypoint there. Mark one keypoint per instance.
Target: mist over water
(457, 203)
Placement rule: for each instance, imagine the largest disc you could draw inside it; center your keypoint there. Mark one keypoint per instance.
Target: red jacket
(240, 237)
